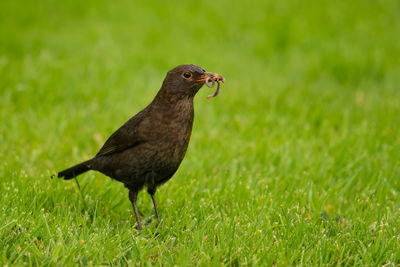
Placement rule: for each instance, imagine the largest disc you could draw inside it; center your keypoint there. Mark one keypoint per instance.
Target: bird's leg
(152, 192)
(132, 198)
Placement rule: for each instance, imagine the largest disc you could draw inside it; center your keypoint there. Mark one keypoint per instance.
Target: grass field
(296, 162)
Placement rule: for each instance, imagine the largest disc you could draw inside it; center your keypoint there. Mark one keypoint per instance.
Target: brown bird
(148, 149)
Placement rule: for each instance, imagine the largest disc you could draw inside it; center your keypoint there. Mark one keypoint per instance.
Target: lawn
(296, 162)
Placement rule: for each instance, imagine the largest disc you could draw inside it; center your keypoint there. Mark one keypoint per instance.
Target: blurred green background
(296, 162)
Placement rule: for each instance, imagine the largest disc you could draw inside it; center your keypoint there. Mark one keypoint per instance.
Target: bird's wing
(125, 137)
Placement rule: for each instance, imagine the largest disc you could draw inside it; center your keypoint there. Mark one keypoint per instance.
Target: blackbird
(147, 150)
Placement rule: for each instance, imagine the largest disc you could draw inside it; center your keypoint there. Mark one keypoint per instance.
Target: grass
(296, 162)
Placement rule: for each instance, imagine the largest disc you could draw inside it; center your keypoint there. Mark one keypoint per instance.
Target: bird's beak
(211, 76)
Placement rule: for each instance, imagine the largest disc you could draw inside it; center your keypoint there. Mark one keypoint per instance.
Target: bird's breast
(172, 134)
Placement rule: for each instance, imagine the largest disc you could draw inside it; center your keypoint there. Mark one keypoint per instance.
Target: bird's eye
(187, 75)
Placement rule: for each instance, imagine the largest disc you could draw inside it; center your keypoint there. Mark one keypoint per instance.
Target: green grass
(296, 162)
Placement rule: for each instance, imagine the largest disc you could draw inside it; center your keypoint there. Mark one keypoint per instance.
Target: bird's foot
(159, 225)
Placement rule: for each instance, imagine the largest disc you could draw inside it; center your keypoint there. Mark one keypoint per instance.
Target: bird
(147, 150)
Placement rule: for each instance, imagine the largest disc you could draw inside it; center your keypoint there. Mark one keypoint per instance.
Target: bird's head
(186, 80)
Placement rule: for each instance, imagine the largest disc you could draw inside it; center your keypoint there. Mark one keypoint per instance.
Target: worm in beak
(210, 79)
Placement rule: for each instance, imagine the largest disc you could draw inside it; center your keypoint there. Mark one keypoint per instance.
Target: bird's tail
(75, 170)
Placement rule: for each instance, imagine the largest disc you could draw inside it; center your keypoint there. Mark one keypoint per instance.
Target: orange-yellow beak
(211, 76)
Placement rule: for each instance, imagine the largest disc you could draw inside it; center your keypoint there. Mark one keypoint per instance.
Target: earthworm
(217, 91)
(208, 82)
